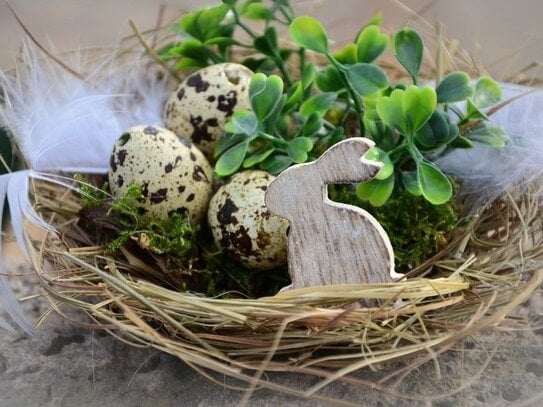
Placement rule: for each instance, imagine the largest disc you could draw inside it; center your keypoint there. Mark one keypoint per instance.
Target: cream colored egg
(242, 225)
(174, 175)
(205, 100)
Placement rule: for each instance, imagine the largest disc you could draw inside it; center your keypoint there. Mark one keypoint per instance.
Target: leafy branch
(298, 110)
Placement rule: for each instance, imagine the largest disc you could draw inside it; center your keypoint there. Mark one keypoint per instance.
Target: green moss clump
(417, 228)
(91, 196)
(173, 236)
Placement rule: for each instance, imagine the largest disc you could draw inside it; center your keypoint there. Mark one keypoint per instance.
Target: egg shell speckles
(174, 175)
(205, 100)
(242, 225)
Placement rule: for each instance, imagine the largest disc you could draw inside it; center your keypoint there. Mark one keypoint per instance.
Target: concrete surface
(63, 365)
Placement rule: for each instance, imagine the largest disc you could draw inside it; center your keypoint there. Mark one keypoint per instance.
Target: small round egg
(174, 175)
(242, 225)
(200, 106)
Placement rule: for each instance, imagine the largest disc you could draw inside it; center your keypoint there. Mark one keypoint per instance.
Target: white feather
(63, 123)
(489, 172)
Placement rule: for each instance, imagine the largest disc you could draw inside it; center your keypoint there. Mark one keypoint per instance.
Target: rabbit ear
(343, 163)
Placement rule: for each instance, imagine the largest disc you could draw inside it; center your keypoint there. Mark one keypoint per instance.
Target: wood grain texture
(330, 242)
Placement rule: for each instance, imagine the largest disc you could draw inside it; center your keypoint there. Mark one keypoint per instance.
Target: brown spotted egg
(174, 175)
(205, 100)
(242, 225)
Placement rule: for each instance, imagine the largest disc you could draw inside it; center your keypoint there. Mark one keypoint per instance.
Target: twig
(151, 51)
(158, 24)
(465, 129)
(41, 47)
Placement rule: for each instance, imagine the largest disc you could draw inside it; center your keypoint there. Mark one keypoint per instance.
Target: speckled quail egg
(200, 106)
(242, 225)
(174, 175)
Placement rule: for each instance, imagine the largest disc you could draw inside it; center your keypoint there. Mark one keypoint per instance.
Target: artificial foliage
(294, 120)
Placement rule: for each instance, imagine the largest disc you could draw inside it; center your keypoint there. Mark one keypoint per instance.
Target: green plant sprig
(208, 36)
(294, 121)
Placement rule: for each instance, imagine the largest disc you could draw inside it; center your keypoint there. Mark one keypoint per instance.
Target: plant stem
(273, 139)
(413, 150)
(276, 56)
(396, 150)
(350, 89)
(282, 67)
(242, 25)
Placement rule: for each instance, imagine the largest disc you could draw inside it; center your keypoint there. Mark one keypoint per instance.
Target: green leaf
(308, 76)
(258, 64)
(276, 163)
(191, 48)
(454, 87)
(411, 182)
(408, 49)
(376, 191)
(318, 104)
(461, 142)
(187, 63)
(434, 185)
(437, 131)
(377, 19)
(418, 106)
(492, 136)
(371, 43)
(390, 110)
(212, 17)
(312, 125)
(303, 143)
(242, 121)
(226, 142)
(257, 158)
(257, 11)
(376, 154)
(204, 23)
(473, 112)
(329, 80)
(188, 24)
(487, 92)
(298, 148)
(267, 43)
(232, 159)
(367, 78)
(346, 55)
(165, 52)
(407, 110)
(308, 32)
(222, 41)
(265, 94)
(294, 95)
(375, 128)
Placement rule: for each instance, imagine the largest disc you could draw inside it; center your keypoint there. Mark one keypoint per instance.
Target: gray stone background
(63, 365)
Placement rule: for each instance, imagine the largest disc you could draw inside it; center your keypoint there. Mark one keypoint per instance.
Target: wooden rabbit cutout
(330, 242)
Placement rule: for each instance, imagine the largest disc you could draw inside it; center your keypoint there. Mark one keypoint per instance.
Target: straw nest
(493, 262)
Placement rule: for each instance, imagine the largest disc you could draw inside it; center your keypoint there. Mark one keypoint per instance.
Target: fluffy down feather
(64, 123)
(489, 172)
(61, 122)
